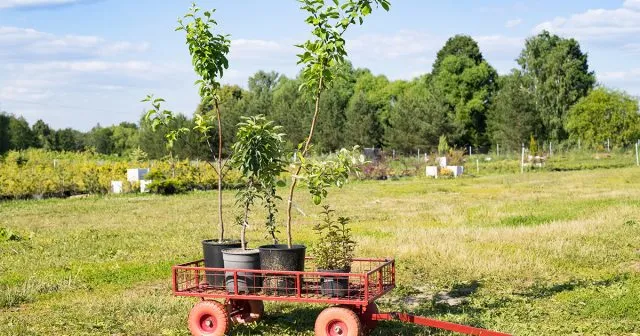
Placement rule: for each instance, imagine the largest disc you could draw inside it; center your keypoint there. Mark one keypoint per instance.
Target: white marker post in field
(637, 158)
(522, 161)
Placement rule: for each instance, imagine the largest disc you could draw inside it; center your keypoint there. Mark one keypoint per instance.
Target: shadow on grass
(450, 305)
(539, 291)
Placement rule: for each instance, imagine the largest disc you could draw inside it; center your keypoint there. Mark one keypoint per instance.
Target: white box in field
(137, 174)
(144, 185)
(457, 170)
(442, 161)
(116, 187)
(432, 171)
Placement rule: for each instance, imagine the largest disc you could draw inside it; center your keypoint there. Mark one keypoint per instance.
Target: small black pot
(334, 286)
(242, 259)
(212, 251)
(281, 258)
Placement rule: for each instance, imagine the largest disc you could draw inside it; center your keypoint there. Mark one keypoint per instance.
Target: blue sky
(75, 63)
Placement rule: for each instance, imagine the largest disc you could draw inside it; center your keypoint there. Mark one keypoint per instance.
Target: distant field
(547, 253)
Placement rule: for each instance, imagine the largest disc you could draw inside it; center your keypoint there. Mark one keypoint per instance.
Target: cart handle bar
(427, 322)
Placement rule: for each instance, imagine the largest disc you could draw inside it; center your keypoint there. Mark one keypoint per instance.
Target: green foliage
(259, 149)
(363, 126)
(334, 247)
(160, 118)
(533, 146)
(259, 157)
(443, 145)
(208, 50)
(327, 48)
(468, 84)
(335, 171)
(602, 115)
(167, 187)
(36, 172)
(559, 76)
(513, 116)
(417, 120)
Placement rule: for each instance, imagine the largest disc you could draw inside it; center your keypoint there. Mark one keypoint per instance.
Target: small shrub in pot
(333, 252)
(258, 154)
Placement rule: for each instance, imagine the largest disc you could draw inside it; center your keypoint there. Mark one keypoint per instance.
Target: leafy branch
(320, 55)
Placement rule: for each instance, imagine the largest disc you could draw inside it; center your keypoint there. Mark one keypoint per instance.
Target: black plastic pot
(334, 286)
(281, 258)
(212, 251)
(242, 259)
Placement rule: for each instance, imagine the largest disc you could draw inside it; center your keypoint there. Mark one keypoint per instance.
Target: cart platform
(368, 280)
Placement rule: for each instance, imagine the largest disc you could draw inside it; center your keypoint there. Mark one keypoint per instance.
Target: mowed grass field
(534, 254)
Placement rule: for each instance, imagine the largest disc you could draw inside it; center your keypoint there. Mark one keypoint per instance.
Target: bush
(40, 173)
(167, 187)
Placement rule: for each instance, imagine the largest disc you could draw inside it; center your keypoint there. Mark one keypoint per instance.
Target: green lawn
(536, 254)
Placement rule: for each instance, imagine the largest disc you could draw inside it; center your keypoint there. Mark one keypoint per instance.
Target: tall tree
(468, 83)
(460, 46)
(291, 110)
(44, 135)
(125, 137)
(334, 102)
(100, 138)
(21, 136)
(513, 118)
(5, 136)
(70, 140)
(363, 127)
(418, 118)
(560, 77)
(605, 115)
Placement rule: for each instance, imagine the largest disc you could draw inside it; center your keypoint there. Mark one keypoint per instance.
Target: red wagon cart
(352, 297)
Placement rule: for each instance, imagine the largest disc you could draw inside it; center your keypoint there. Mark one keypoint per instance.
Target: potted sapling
(258, 155)
(321, 56)
(333, 253)
(209, 58)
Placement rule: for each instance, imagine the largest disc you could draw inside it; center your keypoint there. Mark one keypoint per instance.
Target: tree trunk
(220, 220)
(304, 152)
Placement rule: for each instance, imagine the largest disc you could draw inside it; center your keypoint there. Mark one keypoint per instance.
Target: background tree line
(551, 96)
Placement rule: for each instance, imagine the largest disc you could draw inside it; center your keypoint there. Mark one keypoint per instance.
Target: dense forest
(551, 96)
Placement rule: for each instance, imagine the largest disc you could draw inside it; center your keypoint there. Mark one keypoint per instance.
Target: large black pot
(238, 258)
(334, 286)
(281, 258)
(212, 251)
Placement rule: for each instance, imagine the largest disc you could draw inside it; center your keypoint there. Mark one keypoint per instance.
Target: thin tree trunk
(304, 152)
(245, 222)
(220, 220)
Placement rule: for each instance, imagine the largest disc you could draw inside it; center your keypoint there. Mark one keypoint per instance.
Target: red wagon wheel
(338, 321)
(245, 311)
(208, 318)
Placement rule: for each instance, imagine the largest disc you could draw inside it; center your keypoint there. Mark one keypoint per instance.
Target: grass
(551, 253)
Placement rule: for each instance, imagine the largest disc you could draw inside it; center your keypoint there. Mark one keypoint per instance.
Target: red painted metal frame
(427, 322)
(373, 283)
(372, 279)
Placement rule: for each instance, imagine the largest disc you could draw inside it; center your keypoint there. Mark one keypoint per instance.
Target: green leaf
(317, 199)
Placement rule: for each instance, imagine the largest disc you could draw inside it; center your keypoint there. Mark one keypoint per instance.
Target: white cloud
(632, 75)
(513, 23)
(27, 42)
(499, 43)
(26, 90)
(90, 66)
(598, 23)
(632, 48)
(391, 46)
(632, 4)
(34, 3)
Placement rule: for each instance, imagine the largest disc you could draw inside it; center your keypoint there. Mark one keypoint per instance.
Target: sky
(76, 63)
